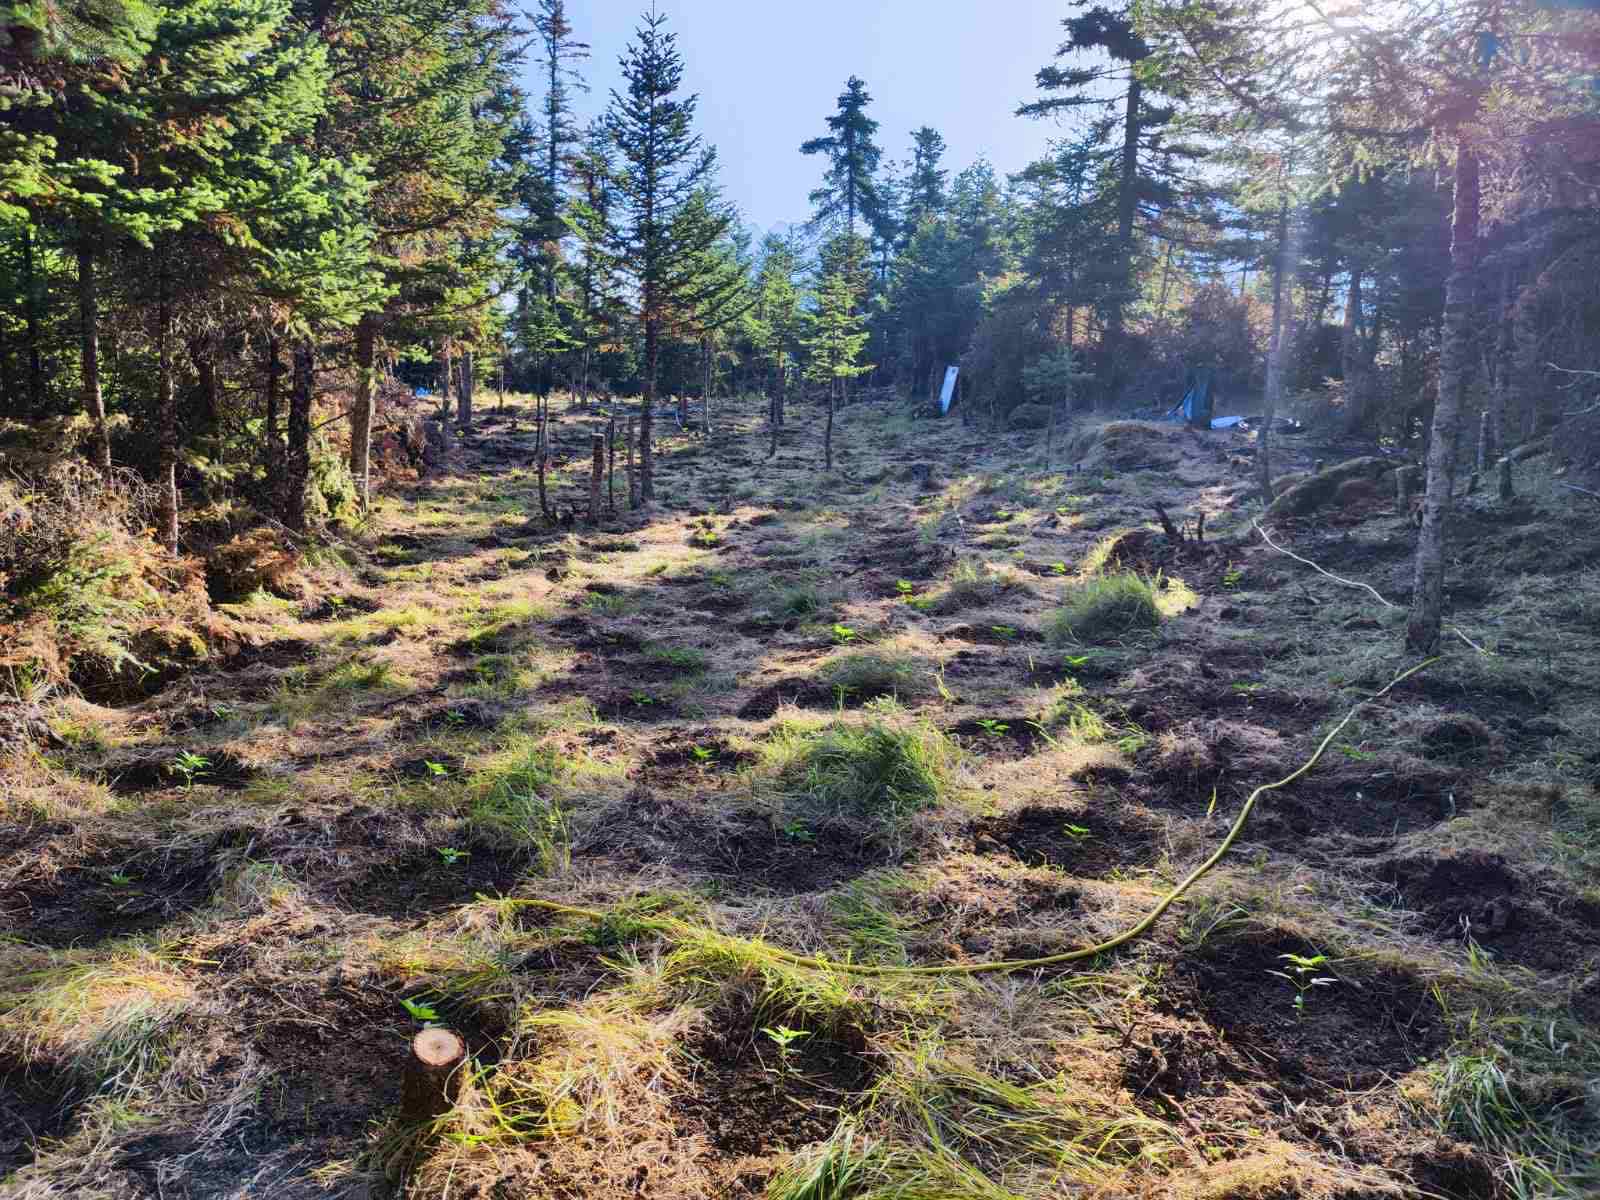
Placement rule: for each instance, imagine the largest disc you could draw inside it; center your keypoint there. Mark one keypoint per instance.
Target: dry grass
(890, 822)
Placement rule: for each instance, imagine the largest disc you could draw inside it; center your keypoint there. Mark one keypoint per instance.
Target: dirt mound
(1478, 895)
(1129, 445)
(1088, 845)
(1314, 491)
(1347, 1035)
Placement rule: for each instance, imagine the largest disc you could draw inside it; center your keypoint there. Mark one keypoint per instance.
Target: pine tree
(776, 322)
(662, 166)
(925, 185)
(850, 187)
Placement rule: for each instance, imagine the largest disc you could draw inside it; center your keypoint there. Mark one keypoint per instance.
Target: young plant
(784, 1038)
(420, 1011)
(993, 727)
(1302, 973)
(452, 856)
(190, 765)
(436, 770)
(844, 634)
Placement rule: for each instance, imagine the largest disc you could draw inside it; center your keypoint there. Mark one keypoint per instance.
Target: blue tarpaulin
(1198, 399)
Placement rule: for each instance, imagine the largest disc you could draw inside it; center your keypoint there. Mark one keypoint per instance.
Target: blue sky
(769, 73)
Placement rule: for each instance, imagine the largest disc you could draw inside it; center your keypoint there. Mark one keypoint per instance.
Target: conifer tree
(662, 165)
(850, 187)
(834, 341)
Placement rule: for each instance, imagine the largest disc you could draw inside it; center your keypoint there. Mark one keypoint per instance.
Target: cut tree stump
(429, 1084)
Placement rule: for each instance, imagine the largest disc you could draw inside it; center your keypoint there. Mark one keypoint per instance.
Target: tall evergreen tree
(850, 187)
(662, 165)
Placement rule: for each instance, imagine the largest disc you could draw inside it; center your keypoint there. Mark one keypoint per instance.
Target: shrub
(1105, 608)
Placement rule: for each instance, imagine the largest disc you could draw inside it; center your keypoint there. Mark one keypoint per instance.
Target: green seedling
(1005, 633)
(844, 635)
(905, 588)
(190, 765)
(435, 769)
(1074, 662)
(1059, 568)
(993, 727)
(1356, 753)
(702, 754)
(452, 856)
(1245, 689)
(799, 831)
(641, 698)
(121, 880)
(455, 717)
(1078, 833)
(784, 1038)
(1302, 973)
(1232, 577)
(419, 1011)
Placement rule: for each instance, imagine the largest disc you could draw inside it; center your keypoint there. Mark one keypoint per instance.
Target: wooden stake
(429, 1085)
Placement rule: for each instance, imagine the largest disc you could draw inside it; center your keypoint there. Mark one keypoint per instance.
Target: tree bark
(166, 419)
(431, 1080)
(362, 410)
(94, 403)
(611, 465)
(297, 465)
(446, 384)
(30, 310)
(1422, 627)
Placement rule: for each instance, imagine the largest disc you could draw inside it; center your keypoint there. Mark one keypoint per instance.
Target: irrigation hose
(1137, 929)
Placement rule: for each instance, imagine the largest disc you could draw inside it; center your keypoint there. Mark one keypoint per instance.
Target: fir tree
(850, 187)
(834, 342)
(662, 166)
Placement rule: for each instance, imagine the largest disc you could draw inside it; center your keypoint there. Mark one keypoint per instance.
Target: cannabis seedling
(189, 765)
(1302, 974)
(785, 1038)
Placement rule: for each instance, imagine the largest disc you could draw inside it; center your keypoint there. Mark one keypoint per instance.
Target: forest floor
(831, 714)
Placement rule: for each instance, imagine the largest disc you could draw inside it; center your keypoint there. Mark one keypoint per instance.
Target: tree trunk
(827, 434)
(464, 393)
(30, 311)
(297, 465)
(362, 410)
(1127, 209)
(1422, 628)
(705, 387)
(1350, 356)
(502, 406)
(202, 353)
(94, 403)
(652, 359)
(431, 1080)
(166, 421)
(541, 451)
(446, 383)
(1499, 398)
(633, 480)
(1280, 268)
(273, 446)
(611, 465)
(597, 474)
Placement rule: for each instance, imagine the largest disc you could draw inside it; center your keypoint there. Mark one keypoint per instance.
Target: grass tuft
(884, 768)
(1105, 608)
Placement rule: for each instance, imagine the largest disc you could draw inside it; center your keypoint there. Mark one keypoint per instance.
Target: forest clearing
(526, 674)
(849, 725)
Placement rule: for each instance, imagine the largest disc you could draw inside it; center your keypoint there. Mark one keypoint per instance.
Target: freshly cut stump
(429, 1085)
